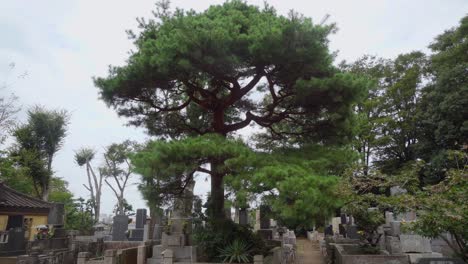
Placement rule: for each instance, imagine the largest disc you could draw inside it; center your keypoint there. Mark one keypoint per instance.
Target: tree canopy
(220, 70)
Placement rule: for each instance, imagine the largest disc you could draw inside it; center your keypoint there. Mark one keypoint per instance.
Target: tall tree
(443, 117)
(83, 157)
(37, 142)
(369, 112)
(118, 168)
(8, 107)
(220, 70)
(400, 101)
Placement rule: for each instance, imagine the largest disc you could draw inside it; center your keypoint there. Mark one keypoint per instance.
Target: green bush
(221, 235)
(238, 252)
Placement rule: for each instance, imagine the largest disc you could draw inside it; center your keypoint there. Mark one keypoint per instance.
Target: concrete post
(258, 259)
(82, 257)
(141, 255)
(168, 256)
(110, 257)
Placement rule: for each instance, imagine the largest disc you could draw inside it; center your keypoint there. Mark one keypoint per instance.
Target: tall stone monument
(176, 235)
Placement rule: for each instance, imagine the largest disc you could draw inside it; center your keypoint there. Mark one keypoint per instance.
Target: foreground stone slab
(415, 257)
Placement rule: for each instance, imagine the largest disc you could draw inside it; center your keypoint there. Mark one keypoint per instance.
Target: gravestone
(119, 228)
(393, 245)
(415, 244)
(342, 230)
(146, 232)
(140, 218)
(236, 215)
(177, 240)
(328, 230)
(264, 217)
(56, 215)
(344, 219)
(257, 219)
(137, 234)
(352, 232)
(395, 228)
(389, 217)
(243, 217)
(336, 224)
(157, 233)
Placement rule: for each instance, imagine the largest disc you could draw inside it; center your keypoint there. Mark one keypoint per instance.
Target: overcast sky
(63, 44)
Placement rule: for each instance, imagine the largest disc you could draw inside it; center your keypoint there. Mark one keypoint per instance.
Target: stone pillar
(167, 256)
(258, 259)
(141, 255)
(82, 257)
(110, 257)
(257, 220)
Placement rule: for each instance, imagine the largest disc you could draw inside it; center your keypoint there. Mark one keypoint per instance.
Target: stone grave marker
(328, 230)
(56, 215)
(344, 219)
(336, 224)
(119, 228)
(243, 217)
(352, 232)
(140, 218)
(264, 217)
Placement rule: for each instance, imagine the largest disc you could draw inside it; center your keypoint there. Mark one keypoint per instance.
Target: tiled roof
(14, 199)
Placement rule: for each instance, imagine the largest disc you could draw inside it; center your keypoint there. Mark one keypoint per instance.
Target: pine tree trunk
(217, 194)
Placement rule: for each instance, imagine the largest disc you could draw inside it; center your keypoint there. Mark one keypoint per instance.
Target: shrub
(221, 235)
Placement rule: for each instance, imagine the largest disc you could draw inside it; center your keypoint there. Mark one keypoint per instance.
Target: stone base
(392, 245)
(173, 240)
(186, 254)
(414, 257)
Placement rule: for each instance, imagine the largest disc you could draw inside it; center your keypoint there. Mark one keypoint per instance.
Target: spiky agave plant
(238, 251)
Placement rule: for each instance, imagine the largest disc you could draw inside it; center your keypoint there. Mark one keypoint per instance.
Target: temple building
(18, 210)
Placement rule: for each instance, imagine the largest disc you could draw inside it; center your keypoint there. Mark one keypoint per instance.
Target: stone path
(308, 252)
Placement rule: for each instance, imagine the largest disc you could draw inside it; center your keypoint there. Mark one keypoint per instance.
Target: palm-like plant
(238, 252)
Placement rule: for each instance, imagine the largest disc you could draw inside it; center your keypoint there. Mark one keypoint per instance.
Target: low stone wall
(8, 260)
(344, 258)
(133, 255)
(48, 244)
(52, 257)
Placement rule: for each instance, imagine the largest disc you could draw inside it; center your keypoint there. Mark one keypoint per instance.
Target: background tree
(83, 157)
(370, 111)
(223, 69)
(400, 102)
(8, 105)
(118, 168)
(443, 116)
(443, 208)
(37, 141)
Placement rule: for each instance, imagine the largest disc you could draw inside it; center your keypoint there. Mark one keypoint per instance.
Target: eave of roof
(14, 199)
